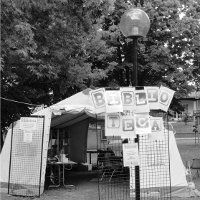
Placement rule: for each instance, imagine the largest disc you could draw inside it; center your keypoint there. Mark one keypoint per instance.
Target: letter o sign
(164, 97)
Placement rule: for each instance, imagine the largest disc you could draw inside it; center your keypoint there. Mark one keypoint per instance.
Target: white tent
(73, 110)
(65, 113)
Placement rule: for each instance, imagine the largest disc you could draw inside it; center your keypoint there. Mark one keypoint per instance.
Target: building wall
(198, 104)
(190, 106)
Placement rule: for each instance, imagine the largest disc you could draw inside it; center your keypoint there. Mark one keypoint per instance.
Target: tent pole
(58, 141)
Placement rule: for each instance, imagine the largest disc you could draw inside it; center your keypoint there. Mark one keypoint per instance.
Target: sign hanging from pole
(98, 100)
(113, 101)
(112, 124)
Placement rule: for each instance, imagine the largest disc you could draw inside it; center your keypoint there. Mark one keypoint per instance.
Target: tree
(168, 55)
(48, 49)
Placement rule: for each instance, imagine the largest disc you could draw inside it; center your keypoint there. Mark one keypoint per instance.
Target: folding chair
(116, 165)
(109, 164)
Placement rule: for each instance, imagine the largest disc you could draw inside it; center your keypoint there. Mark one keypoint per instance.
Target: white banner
(130, 101)
(113, 101)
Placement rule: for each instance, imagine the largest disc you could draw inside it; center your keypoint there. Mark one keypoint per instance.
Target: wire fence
(149, 180)
(26, 160)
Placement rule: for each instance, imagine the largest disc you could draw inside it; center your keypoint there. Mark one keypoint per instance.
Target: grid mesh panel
(118, 182)
(113, 177)
(25, 164)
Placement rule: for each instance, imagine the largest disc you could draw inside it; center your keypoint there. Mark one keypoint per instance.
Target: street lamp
(135, 23)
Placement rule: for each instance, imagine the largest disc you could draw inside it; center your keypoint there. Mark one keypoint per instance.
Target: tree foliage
(52, 49)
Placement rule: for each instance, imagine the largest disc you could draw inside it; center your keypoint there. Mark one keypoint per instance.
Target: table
(61, 176)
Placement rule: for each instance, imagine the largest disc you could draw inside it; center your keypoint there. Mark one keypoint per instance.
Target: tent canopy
(70, 110)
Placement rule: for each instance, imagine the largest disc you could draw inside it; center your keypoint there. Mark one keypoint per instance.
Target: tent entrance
(115, 181)
(26, 153)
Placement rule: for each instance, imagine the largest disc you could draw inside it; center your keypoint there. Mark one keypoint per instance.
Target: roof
(192, 96)
(195, 95)
(70, 110)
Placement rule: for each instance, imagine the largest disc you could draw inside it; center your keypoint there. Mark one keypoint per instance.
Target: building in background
(191, 105)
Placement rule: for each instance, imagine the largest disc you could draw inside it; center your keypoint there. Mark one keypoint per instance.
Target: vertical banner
(141, 101)
(142, 123)
(157, 128)
(113, 101)
(127, 125)
(98, 100)
(165, 97)
(130, 154)
(112, 124)
(128, 100)
(153, 93)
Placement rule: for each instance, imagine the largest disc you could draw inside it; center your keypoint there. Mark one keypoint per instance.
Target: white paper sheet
(128, 99)
(130, 154)
(157, 128)
(127, 125)
(153, 93)
(98, 99)
(141, 101)
(28, 123)
(27, 136)
(165, 98)
(113, 101)
(112, 124)
(142, 123)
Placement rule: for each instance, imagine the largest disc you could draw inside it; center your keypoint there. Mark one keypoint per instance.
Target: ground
(87, 187)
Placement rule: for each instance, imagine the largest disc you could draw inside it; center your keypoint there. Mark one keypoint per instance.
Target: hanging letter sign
(152, 93)
(113, 101)
(141, 102)
(165, 98)
(157, 129)
(142, 123)
(112, 124)
(98, 99)
(128, 127)
(128, 100)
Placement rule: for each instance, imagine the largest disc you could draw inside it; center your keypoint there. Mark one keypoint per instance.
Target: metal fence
(149, 180)
(26, 159)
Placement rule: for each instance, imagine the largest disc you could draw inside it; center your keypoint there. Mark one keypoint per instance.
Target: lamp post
(135, 23)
